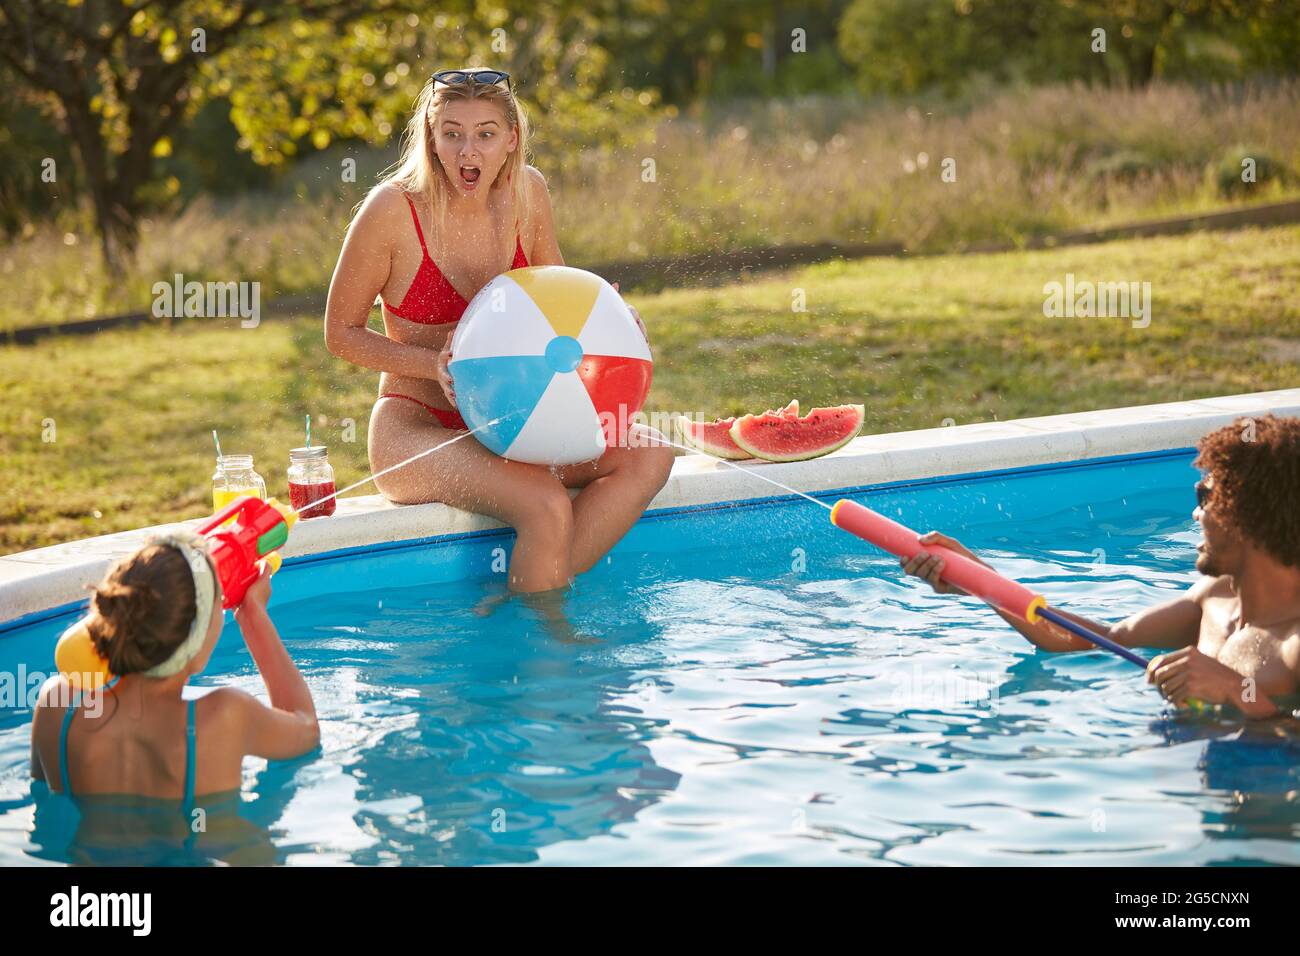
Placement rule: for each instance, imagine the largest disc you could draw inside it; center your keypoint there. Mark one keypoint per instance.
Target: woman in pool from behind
(156, 619)
(461, 208)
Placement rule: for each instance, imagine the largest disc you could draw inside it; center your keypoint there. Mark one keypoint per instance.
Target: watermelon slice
(714, 438)
(777, 437)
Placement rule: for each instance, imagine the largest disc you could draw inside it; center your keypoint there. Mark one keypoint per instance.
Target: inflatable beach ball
(548, 362)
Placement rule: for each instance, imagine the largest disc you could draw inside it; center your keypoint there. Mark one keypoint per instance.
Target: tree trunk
(119, 232)
(1145, 70)
(1150, 57)
(112, 197)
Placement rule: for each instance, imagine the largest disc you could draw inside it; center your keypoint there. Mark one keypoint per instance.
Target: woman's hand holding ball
(443, 374)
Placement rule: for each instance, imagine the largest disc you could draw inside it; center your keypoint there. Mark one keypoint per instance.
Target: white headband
(194, 549)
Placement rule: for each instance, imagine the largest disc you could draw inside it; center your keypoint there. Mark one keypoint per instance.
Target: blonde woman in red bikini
(460, 208)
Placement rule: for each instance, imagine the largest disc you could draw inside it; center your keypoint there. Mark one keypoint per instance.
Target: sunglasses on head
(461, 77)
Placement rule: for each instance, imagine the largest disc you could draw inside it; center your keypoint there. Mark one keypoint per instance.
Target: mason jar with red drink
(311, 479)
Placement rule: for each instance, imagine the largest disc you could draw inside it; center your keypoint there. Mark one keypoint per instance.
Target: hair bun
(128, 603)
(120, 609)
(142, 609)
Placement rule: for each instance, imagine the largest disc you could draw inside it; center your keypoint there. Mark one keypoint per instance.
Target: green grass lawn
(917, 341)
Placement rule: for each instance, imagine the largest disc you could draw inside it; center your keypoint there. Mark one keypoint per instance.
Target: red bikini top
(431, 299)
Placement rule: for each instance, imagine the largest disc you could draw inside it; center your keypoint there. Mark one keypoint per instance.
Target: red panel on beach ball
(618, 387)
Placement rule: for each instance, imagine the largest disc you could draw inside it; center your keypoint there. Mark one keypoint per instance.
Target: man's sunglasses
(1202, 495)
(461, 77)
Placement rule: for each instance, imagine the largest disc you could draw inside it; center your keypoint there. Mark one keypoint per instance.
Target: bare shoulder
(55, 694)
(537, 187)
(543, 249)
(228, 705)
(53, 700)
(381, 209)
(386, 198)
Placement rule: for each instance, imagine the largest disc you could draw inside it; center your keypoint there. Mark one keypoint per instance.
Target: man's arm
(1175, 623)
(1172, 624)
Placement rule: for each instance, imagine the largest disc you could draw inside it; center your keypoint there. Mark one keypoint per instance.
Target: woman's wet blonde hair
(418, 170)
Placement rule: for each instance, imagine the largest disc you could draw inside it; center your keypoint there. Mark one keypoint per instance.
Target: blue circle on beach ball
(564, 353)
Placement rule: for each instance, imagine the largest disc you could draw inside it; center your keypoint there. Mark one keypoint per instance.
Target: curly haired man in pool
(1234, 635)
(462, 207)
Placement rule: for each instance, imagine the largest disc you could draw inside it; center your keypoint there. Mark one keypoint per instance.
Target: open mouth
(469, 175)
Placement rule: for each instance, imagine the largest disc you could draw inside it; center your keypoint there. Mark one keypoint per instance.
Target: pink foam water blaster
(971, 576)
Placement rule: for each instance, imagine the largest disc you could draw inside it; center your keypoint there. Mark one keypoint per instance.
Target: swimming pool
(749, 685)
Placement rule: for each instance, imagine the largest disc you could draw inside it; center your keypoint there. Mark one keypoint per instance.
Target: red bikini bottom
(447, 417)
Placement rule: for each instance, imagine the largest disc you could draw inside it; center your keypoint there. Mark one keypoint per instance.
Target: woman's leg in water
(466, 475)
(615, 491)
(616, 488)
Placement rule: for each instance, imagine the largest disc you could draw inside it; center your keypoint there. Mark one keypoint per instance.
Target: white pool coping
(32, 582)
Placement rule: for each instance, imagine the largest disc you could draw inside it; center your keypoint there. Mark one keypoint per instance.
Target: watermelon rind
(747, 422)
(687, 431)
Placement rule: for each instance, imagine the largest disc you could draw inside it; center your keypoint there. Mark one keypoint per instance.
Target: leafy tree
(303, 83)
(120, 79)
(904, 46)
(123, 80)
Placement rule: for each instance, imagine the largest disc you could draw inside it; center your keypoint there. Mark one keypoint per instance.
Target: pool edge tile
(45, 580)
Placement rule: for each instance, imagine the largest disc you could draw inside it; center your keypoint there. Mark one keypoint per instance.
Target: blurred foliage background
(140, 122)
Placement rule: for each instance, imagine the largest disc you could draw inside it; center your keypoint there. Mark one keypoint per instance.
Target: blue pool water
(749, 685)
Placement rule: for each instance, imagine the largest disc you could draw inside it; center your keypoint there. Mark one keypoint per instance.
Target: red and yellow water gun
(238, 550)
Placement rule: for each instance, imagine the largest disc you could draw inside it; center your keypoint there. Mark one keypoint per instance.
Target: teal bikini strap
(65, 782)
(191, 754)
(190, 757)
